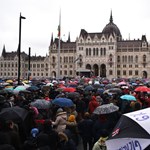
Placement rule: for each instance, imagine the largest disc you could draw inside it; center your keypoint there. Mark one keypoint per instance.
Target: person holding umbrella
(61, 120)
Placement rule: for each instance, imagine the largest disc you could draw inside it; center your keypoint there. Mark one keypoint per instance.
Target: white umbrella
(131, 132)
(106, 109)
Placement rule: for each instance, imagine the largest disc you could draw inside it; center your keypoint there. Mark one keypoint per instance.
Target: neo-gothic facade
(9, 65)
(103, 54)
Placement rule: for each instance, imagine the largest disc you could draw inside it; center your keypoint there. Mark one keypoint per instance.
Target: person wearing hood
(100, 144)
(93, 104)
(61, 120)
(65, 143)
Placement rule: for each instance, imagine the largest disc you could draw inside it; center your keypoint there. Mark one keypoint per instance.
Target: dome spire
(111, 18)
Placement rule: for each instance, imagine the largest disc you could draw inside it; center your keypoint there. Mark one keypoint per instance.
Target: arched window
(125, 59)
(144, 58)
(104, 51)
(118, 59)
(90, 51)
(131, 59)
(136, 59)
(53, 59)
(101, 51)
(93, 51)
(110, 57)
(96, 51)
(87, 52)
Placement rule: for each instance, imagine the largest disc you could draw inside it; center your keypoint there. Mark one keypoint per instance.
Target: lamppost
(19, 47)
(29, 73)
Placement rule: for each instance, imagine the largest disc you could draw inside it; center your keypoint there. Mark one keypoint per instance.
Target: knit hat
(59, 110)
(34, 132)
(71, 118)
(86, 115)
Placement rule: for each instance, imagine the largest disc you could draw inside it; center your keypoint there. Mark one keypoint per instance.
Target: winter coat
(13, 138)
(6, 147)
(100, 144)
(85, 128)
(93, 104)
(65, 142)
(101, 124)
(60, 122)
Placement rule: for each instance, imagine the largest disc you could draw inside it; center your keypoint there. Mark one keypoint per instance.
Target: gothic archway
(88, 66)
(95, 70)
(144, 74)
(54, 74)
(103, 70)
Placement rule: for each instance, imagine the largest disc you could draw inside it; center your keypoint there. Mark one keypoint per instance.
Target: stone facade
(103, 54)
(39, 66)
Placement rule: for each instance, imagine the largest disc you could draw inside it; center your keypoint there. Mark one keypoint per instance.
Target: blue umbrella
(63, 102)
(89, 88)
(128, 97)
(32, 88)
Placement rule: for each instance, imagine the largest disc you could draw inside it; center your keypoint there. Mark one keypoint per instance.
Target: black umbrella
(89, 88)
(32, 88)
(131, 132)
(113, 91)
(16, 114)
(41, 104)
(73, 95)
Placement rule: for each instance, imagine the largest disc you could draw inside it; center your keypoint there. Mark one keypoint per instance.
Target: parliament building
(103, 54)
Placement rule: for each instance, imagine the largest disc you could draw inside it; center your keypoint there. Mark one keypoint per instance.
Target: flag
(59, 26)
(58, 31)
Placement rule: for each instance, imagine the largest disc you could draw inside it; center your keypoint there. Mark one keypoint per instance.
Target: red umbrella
(142, 89)
(69, 89)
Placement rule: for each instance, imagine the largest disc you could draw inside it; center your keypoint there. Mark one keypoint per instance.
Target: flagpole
(59, 34)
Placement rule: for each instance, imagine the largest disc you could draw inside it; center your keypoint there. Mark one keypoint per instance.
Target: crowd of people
(67, 128)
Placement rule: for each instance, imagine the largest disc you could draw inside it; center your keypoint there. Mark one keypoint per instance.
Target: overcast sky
(42, 19)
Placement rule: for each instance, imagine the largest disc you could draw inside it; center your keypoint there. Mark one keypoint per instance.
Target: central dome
(111, 28)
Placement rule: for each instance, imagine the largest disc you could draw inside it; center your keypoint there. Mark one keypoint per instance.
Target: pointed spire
(4, 51)
(51, 39)
(111, 18)
(68, 37)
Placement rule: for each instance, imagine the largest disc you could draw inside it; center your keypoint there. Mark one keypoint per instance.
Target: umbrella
(63, 102)
(113, 90)
(72, 95)
(109, 86)
(41, 104)
(121, 83)
(9, 88)
(142, 89)
(9, 81)
(16, 114)
(69, 89)
(20, 88)
(128, 97)
(32, 88)
(96, 86)
(106, 109)
(89, 88)
(49, 84)
(131, 132)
